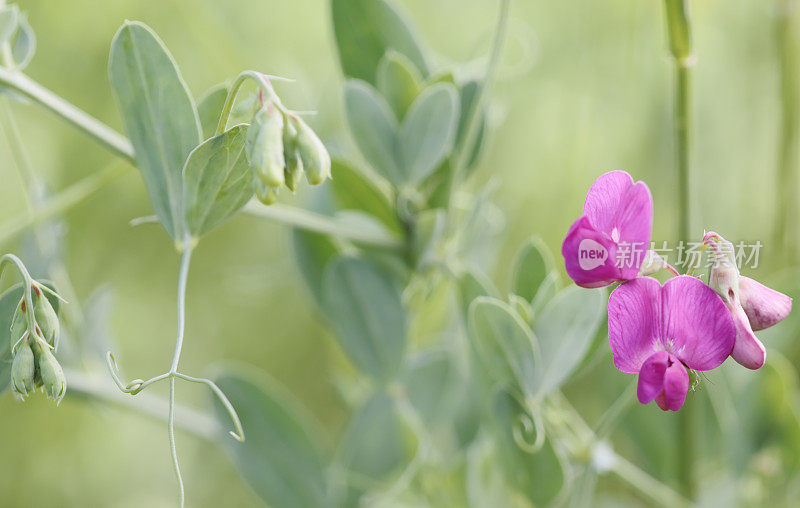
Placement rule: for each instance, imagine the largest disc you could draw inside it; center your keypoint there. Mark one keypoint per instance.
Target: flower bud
(264, 145)
(293, 173)
(46, 317)
(315, 157)
(266, 194)
(724, 275)
(50, 372)
(22, 370)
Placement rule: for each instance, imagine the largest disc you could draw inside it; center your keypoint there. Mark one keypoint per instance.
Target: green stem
(112, 140)
(64, 200)
(789, 154)
(263, 84)
(680, 43)
(311, 221)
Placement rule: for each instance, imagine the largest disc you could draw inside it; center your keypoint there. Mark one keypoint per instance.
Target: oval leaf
(374, 129)
(353, 189)
(399, 82)
(566, 328)
(532, 265)
(209, 109)
(363, 303)
(365, 30)
(217, 179)
(159, 117)
(504, 344)
(280, 458)
(427, 133)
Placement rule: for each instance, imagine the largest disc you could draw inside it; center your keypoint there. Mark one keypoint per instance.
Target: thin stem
(110, 139)
(646, 484)
(21, 160)
(311, 221)
(239, 434)
(263, 84)
(183, 275)
(172, 449)
(789, 152)
(680, 42)
(64, 200)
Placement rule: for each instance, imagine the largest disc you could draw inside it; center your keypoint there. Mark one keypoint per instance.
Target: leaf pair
(404, 153)
(192, 188)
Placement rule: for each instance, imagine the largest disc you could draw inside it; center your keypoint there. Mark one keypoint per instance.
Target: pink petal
(634, 323)
(582, 239)
(748, 350)
(623, 210)
(651, 377)
(764, 306)
(697, 326)
(676, 385)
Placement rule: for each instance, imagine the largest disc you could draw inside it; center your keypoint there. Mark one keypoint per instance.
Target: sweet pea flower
(609, 241)
(660, 331)
(753, 305)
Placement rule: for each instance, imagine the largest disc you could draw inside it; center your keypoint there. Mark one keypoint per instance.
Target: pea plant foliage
(453, 385)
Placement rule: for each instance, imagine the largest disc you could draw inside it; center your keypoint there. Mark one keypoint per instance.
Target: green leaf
(363, 303)
(209, 108)
(373, 127)
(365, 30)
(547, 290)
(473, 283)
(8, 305)
(468, 94)
(375, 443)
(399, 82)
(280, 458)
(353, 189)
(429, 384)
(504, 345)
(566, 328)
(159, 117)
(540, 475)
(313, 252)
(426, 135)
(532, 265)
(217, 179)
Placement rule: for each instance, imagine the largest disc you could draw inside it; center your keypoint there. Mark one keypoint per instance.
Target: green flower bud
(266, 194)
(315, 157)
(50, 372)
(293, 174)
(22, 370)
(46, 317)
(20, 323)
(264, 145)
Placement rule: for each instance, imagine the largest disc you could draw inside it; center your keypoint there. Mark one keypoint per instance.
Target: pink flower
(753, 305)
(660, 331)
(609, 242)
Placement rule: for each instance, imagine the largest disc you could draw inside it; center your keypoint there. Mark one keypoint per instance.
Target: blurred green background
(585, 87)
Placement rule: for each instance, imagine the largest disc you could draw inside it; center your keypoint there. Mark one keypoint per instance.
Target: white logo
(591, 254)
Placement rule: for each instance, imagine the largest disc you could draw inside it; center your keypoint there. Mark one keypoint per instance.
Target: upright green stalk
(680, 45)
(789, 153)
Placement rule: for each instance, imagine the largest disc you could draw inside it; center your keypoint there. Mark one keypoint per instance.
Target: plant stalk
(680, 44)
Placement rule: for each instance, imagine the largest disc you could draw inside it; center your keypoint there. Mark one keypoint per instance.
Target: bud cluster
(34, 337)
(281, 148)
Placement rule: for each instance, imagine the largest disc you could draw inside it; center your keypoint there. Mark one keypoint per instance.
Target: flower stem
(680, 44)
(110, 139)
(788, 155)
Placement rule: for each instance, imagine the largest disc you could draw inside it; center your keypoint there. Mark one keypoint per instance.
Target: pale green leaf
(217, 179)
(566, 328)
(280, 458)
(353, 189)
(428, 129)
(374, 129)
(504, 345)
(209, 108)
(363, 303)
(399, 82)
(159, 117)
(532, 265)
(8, 23)
(365, 30)
(473, 283)
(312, 253)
